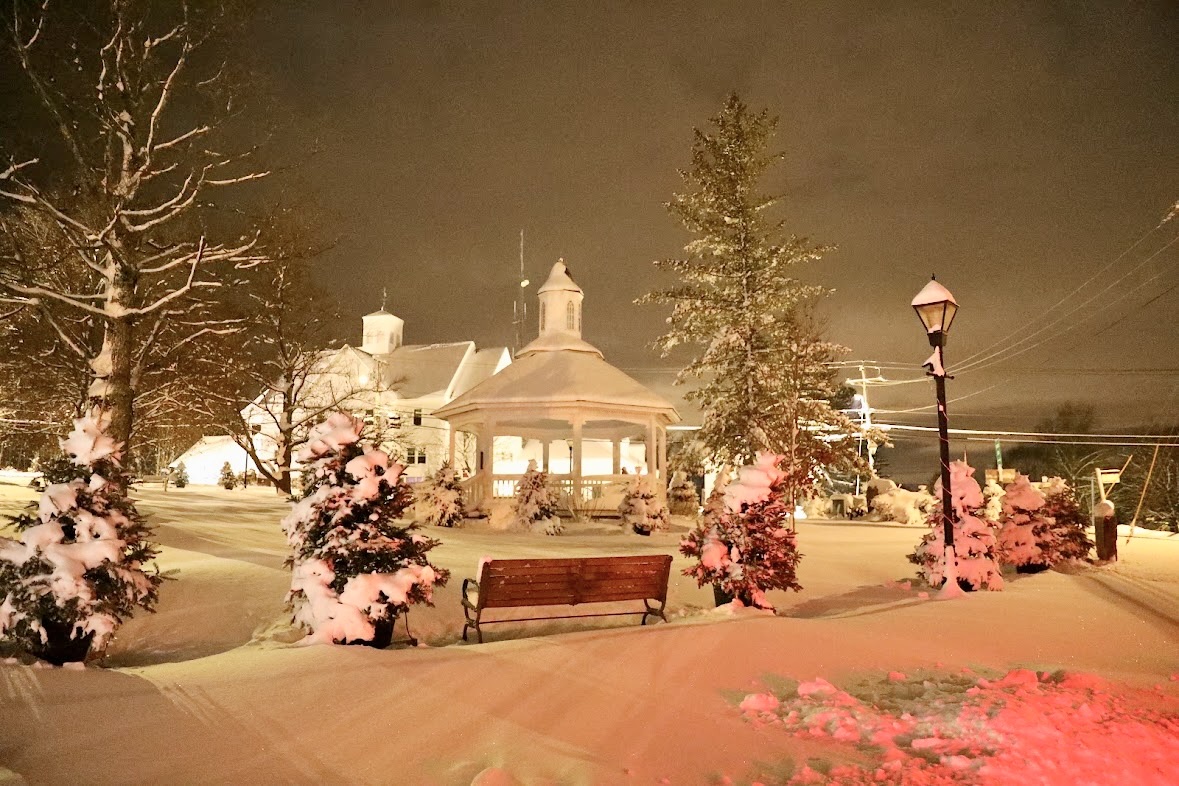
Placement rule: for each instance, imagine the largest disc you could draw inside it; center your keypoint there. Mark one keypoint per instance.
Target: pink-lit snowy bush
(974, 537)
(356, 565)
(79, 569)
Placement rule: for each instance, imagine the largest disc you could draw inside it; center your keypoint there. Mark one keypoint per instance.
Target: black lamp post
(936, 307)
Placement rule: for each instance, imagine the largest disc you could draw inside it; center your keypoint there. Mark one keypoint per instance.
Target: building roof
(479, 367)
(418, 370)
(574, 379)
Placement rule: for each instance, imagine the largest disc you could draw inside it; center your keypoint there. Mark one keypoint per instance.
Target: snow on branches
(746, 547)
(355, 564)
(80, 566)
(441, 503)
(682, 499)
(974, 537)
(1024, 529)
(1066, 539)
(535, 506)
(642, 509)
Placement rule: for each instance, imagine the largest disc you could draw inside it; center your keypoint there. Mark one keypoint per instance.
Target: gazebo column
(661, 457)
(545, 443)
(651, 449)
(453, 439)
(575, 470)
(616, 456)
(486, 450)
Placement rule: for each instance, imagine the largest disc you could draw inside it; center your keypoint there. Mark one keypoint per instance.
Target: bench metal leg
(651, 611)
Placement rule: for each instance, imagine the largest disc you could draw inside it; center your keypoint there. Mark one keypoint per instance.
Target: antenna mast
(520, 302)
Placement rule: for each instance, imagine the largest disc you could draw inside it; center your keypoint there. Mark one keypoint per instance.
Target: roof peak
(559, 279)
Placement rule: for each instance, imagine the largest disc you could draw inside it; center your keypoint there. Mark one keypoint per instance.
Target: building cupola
(382, 332)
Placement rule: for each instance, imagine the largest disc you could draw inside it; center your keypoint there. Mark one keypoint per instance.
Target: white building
(396, 387)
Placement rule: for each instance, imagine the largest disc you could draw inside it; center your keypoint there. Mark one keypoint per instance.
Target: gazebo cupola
(560, 303)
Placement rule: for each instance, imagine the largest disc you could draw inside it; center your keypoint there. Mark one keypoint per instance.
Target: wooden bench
(515, 583)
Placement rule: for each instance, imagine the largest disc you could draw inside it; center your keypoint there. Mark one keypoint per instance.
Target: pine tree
(80, 567)
(355, 564)
(180, 478)
(642, 509)
(682, 498)
(746, 547)
(1024, 530)
(764, 380)
(974, 537)
(535, 507)
(228, 478)
(442, 499)
(1067, 537)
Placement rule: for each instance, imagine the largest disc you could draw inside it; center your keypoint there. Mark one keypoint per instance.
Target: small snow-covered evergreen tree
(1024, 531)
(355, 564)
(80, 568)
(974, 538)
(993, 501)
(1067, 536)
(641, 509)
(441, 503)
(535, 507)
(746, 546)
(682, 499)
(180, 477)
(764, 375)
(228, 477)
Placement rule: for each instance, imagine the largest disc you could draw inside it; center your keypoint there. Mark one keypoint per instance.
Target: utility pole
(865, 414)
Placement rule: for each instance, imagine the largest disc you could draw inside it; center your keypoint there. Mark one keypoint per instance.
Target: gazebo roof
(564, 378)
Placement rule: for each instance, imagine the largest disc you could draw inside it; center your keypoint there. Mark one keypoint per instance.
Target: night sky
(1015, 152)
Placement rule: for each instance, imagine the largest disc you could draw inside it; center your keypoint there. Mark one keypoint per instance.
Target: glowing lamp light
(524, 282)
(935, 307)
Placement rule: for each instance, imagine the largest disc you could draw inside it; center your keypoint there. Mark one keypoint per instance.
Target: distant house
(395, 387)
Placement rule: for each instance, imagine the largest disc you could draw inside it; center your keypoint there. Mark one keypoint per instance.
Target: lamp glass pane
(951, 310)
(931, 316)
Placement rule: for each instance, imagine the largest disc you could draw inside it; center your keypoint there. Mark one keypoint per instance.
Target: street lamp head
(935, 307)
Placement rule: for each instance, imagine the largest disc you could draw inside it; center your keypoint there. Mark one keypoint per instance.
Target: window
(569, 315)
(394, 420)
(417, 417)
(415, 456)
(579, 318)
(542, 316)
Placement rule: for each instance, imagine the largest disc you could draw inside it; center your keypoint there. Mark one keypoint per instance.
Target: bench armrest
(468, 583)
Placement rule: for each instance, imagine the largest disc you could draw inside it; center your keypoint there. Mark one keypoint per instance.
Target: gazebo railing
(599, 494)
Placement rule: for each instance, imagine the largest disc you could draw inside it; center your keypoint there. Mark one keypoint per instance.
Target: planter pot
(721, 596)
(1034, 567)
(59, 648)
(382, 635)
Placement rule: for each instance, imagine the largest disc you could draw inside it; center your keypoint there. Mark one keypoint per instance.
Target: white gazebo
(561, 393)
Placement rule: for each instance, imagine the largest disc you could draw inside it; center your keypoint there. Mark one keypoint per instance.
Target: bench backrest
(507, 583)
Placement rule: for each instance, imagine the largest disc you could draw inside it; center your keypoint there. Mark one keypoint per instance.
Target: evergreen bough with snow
(228, 478)
(441, 503)
(535, 507)
(642, 509)
(80, 568)
(682, 499)
(180, 477)
(356, 565)
(975, 566)
(745, 545)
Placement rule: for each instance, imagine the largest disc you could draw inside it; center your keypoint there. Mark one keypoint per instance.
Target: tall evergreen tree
(763, 382)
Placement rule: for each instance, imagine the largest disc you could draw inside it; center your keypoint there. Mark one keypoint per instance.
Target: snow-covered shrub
(441, 503)
(682, 499)
(1067, 537)
(80, 567)
(641, 509)
(993, 502)
(355, 564)
(228, 478)
(535, 507)
(180, 476)
(744, 546)
(974, 538)
(1024, 529)
(901, 505)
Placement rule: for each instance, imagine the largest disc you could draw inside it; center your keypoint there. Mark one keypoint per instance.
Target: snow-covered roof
(417, 370)
(559, 278)
(561, 379)
(559, 341)
(933, 293)
(479, 367)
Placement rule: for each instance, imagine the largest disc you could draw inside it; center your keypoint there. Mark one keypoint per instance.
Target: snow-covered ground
(212, 689)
